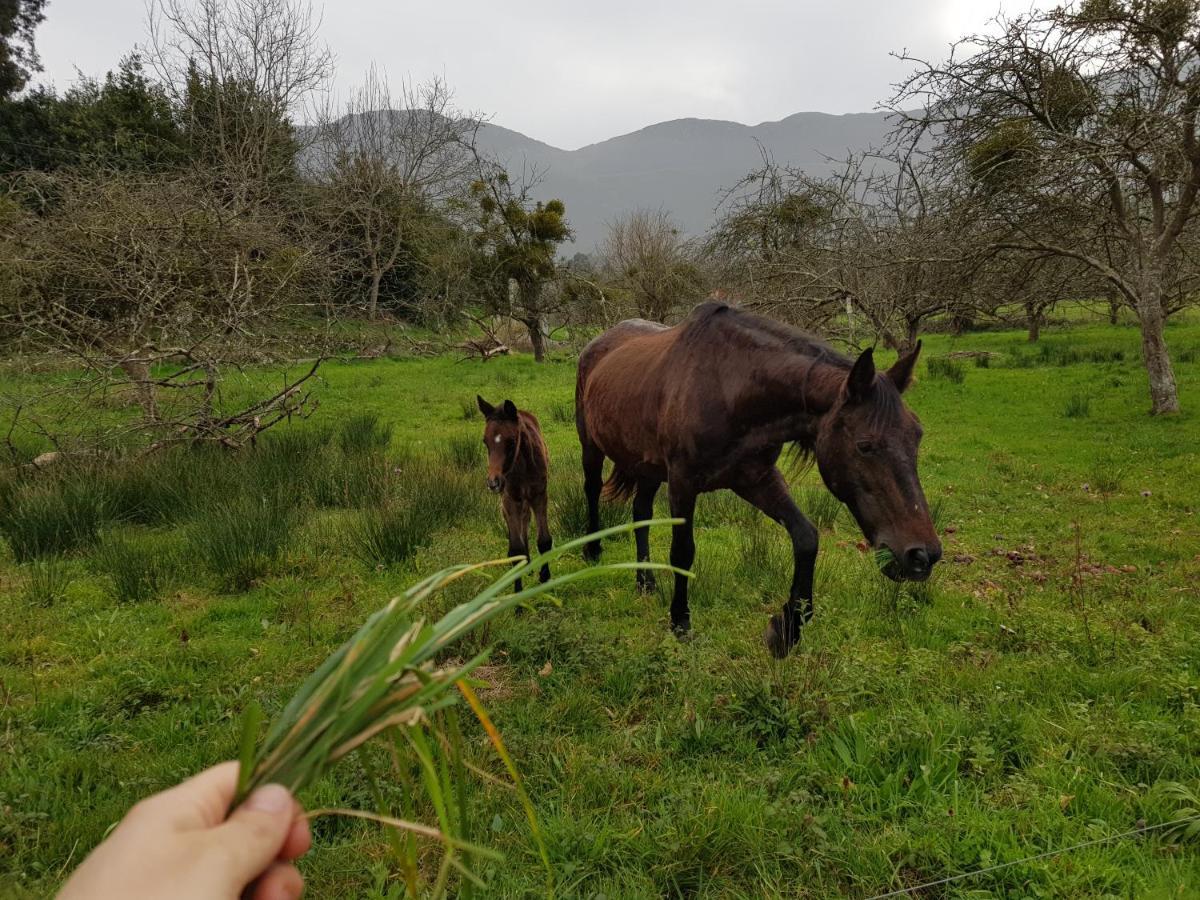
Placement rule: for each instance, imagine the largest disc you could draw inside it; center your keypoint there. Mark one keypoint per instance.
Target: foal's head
(866, 449)
(502, 437)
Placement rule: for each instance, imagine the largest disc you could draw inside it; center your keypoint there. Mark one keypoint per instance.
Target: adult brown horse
(710, 404)
(518, 470)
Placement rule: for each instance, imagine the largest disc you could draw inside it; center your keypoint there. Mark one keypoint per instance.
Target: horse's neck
(790, 392)
(530, 451)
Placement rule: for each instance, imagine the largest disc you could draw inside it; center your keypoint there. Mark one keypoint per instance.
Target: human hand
(179, 844)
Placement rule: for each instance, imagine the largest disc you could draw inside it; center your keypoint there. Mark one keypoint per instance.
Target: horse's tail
(619, 487)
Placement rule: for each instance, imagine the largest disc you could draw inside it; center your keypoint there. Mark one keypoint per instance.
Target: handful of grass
(386, 681)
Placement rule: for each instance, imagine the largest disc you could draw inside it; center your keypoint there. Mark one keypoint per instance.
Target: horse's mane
(827, 363)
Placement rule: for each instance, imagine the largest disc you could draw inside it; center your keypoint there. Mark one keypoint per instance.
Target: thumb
(252, 837)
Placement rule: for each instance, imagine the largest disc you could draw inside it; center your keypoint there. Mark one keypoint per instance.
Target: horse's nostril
(917, 559)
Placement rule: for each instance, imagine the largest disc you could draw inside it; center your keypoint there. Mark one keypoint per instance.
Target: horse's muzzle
(496, 485)
(915, 564)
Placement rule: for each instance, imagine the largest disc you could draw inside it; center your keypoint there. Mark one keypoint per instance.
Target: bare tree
(1079, 127)
(239, 71)
(154, 291)
(650, 261)
(393, 161)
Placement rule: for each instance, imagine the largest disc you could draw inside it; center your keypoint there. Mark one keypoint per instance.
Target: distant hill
(682, 166)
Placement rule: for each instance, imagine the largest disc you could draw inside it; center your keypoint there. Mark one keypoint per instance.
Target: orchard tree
(1078, 127)
(650, 261)
(392, 162)
(517, 239)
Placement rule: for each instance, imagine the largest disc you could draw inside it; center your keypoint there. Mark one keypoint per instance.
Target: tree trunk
(1033, 316)
(1164, 395)
(536, 338)
(373, 295)
(912, 329)
(1114, 310)
(138, 372)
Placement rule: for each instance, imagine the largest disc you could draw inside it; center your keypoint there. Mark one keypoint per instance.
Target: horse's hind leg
(544, 541)
(770, 494)
(683, 552)
(643, 509)
(593, 482)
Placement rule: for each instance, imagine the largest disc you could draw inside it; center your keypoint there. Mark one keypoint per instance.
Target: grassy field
(1042, 691)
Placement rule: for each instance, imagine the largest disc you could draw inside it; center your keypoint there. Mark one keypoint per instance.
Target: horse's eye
(865, 446)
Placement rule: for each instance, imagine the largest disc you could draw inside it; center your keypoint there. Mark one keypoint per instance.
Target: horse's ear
(901, 372)
(509, 410)
(861, 380)
(484, 407)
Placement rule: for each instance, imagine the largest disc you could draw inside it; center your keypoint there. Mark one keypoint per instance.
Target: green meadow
(1041, 691)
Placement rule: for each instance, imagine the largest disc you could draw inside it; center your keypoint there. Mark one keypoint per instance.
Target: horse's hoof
(682, 631)
(776, 642)
(646, 584)
(591, 552)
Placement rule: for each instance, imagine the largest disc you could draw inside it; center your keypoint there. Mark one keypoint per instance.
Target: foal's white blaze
(497, 439)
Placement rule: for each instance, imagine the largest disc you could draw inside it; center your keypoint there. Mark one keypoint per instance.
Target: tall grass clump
(568, 507)
(1078, 406)
(364, 433)
(240, 540)
(427, 497)
(946, 369)
(137, 570)
(390, 682)
(563, 411)
(47, 582)
(351, 481)
(820, 506)
(983, 361)
(464, 451)
(54, 515)
(283, 460)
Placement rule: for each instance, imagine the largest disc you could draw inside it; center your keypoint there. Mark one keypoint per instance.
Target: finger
(282, 881)
(200, 802)
(253, 836)
(299, 839)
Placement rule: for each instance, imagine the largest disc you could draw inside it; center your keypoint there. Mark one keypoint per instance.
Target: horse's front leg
(516, 517)
(770, 494)
(544, 541)
(683, 552)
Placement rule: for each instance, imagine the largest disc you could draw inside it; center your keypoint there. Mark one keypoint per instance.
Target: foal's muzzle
(496, 485)
(915, 564)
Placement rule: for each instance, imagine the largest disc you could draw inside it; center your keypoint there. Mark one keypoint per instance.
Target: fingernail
(270, 798)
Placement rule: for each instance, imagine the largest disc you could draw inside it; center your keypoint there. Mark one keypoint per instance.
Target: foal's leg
(683, 552)
(516, 517)
(643, 509)
(771, 495)
(593, 481)
(544, 541)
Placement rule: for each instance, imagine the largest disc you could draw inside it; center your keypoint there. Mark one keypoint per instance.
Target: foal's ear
(901, 372)
(484, 407)
(861, 380)
(509, 410)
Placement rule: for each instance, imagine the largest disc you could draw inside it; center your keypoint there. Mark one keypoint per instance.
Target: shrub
(946, 369)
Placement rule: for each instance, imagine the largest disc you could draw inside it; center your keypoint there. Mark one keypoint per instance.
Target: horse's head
(502, 437)
(866, 450)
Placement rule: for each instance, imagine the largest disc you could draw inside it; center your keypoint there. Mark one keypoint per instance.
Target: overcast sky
(572, 73)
